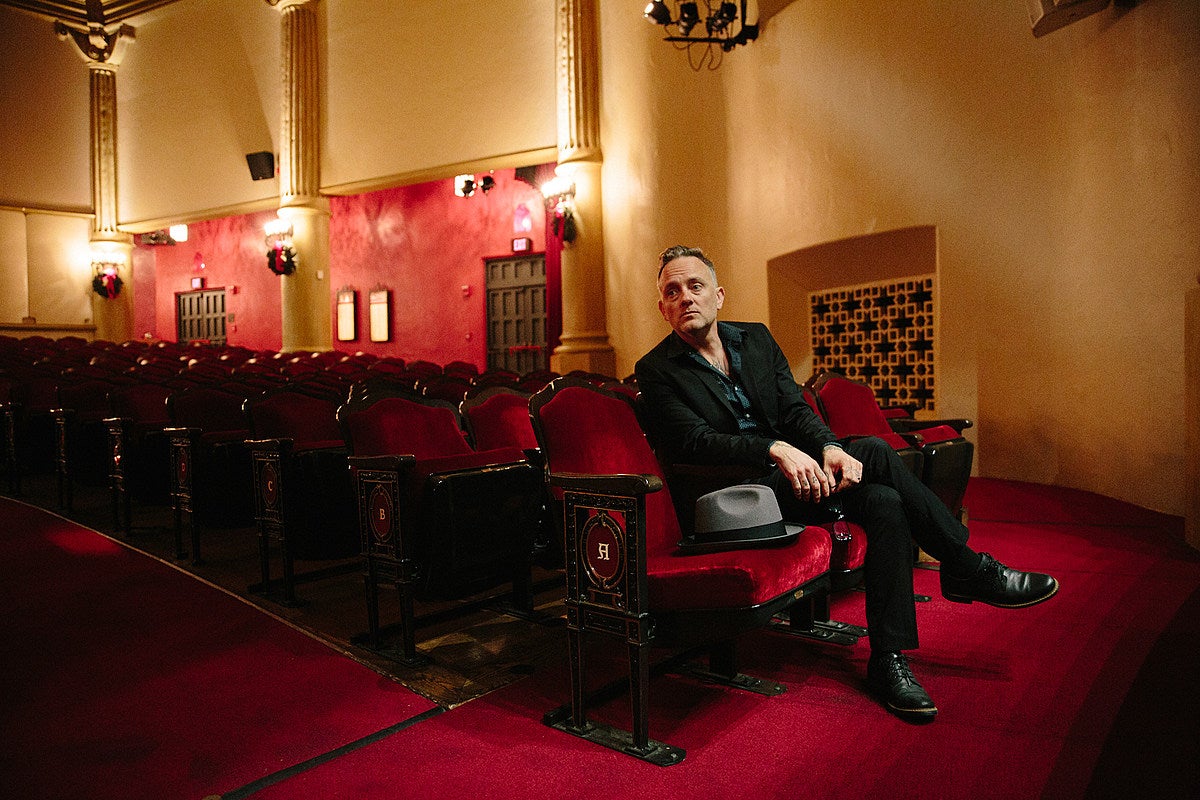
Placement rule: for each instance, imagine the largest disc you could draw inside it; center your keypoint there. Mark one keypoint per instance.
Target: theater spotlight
(726, 25)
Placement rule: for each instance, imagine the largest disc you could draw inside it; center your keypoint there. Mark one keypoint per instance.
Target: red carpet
(125, 678)
(1030, 699)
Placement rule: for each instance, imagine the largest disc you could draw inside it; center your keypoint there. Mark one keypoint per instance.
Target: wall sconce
(281, 254)
(107, 259)
(559, 192)
(465, 185)
(726, 25)
(172, 235)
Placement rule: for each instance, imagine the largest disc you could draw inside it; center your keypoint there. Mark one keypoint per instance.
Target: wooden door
(516, 313)
(200, 316)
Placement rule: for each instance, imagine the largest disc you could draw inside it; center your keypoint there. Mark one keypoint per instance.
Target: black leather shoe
(997, 585)
(892, 681)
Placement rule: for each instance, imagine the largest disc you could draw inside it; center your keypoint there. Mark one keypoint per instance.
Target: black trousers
(895, 509)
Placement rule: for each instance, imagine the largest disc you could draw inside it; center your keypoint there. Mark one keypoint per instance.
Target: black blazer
(690, 420)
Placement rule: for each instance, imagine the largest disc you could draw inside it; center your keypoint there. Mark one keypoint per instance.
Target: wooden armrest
(381, 462)
(629, 485)
(906, 425)
(277, 444)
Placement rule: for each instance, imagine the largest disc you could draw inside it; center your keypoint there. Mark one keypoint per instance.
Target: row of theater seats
(625, 510)
(227, 446)
(445, 499)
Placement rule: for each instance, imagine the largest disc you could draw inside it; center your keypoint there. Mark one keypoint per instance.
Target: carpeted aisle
(1030, 699)
(125, 678)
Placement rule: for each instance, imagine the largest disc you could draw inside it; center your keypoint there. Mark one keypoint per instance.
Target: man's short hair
(683, 251)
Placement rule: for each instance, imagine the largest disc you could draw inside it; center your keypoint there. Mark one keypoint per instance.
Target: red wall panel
(425, 244)
(231, 253)
(421, 242)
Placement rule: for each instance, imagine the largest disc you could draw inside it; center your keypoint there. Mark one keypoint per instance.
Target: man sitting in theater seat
(723, 393)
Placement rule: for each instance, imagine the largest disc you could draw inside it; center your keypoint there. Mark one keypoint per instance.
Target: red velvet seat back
(144, 404)
(305, 419)
(501, 420)
(209, 410)
(588, 432)
(87, 398)
(851, 409)
(393, 425)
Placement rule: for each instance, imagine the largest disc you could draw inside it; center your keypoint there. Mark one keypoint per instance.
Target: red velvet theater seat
(210, 466)
(650, 594)
(80, 434)
(303, 494)
(498, 416)
(850, 409)
(137, 448)
(689, 481)
(437, 519)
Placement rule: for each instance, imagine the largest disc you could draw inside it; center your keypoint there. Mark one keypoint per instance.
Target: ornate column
(305, 293)
(584, 341)
(111, 250)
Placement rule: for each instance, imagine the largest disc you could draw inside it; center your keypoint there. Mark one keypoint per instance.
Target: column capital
(283, 5)
(99, 47)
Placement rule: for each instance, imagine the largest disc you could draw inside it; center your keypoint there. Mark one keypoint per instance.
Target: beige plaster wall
(198, 89)
(407, 88)
(14, 273)
(44, 102)
(1060, 173)
(60, 276)
(428, 83)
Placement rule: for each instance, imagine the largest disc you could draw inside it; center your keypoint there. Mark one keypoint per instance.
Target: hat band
(764, 531)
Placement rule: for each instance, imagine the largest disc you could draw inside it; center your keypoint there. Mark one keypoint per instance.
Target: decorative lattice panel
(880, 334)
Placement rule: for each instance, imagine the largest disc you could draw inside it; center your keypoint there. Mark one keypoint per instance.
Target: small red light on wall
(198, 282)
(522, 244)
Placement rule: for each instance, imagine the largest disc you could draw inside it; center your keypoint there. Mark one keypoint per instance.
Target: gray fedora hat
(746, 515)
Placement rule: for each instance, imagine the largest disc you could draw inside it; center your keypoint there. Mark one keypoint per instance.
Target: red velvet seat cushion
(735, 578)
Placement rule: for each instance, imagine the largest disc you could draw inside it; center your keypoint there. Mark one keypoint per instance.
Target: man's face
(689, 297)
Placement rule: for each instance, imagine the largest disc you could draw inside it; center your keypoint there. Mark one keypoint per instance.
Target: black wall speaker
(262, 165)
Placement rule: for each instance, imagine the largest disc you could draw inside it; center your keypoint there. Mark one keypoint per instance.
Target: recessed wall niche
(887, 258)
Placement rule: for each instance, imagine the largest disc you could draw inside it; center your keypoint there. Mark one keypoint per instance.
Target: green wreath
(282, 260)
(107, 284)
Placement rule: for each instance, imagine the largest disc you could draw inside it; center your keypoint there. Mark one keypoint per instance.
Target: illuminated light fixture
(559, 192)
(465, 185)
(282, 258)
(726, 25)
(179, 233)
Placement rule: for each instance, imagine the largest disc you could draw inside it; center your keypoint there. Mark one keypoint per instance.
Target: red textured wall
(425, 244)
(422, 242)
(231, 253)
